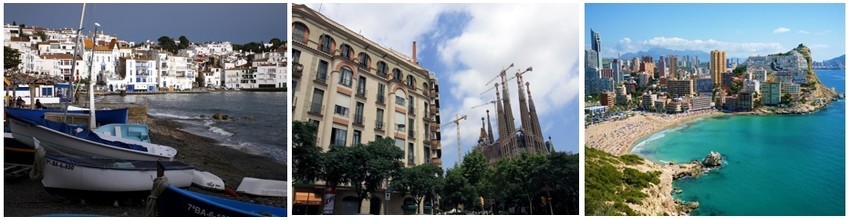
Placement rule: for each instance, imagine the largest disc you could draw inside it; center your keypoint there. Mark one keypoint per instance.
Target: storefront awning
(307, 198)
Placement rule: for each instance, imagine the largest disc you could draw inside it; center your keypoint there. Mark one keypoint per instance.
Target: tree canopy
(11, 58)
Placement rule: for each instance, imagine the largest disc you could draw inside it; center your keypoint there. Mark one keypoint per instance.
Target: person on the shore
(38, 104)
(19, 102)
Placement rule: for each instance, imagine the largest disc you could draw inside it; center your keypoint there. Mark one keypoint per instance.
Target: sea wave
(220, 131)
(173, 116)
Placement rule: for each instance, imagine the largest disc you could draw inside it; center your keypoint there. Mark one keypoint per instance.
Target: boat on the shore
(69, 172)
(178, 202)
(262, 187)
(112, 116)
(207, 180)
(79, 140)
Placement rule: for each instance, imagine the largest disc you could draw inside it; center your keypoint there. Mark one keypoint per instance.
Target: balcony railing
(358, 120)
(381, 100)
(411, 134)
(361, 93)
(316, 108)
(321, 79)
(379, 125)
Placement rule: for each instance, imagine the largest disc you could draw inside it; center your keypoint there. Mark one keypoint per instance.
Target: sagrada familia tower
(512, 141)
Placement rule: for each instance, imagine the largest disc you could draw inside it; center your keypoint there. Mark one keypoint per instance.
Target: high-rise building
(717, 67)
(357, 91)
(616, 67)
(680, 88)
(596, 45)
(674, 67)
(662, 68)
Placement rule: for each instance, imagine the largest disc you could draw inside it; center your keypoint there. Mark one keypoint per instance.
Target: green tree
(184, 43)
(372, 164)
(529, 177)
(457, 190)
(419, 181)
(11, 58)
(167, 44)
(307, 157)
(275, 43)
(42, 35)
(473, 169)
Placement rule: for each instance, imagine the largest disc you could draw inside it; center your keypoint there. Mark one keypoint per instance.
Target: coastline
(28, 198)
(619, 137)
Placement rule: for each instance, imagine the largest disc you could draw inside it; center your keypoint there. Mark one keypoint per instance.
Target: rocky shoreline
(660, 200)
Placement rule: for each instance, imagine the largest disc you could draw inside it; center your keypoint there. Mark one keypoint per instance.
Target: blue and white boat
(79, 140)
(176, 202)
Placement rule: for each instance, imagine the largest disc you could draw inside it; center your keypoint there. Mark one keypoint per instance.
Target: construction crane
(519, 73)
(456, 121)
(483, 104)
(497, 75)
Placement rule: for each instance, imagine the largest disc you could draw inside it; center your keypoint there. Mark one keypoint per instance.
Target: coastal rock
(219, 116)
(713, 159)
(693, 205)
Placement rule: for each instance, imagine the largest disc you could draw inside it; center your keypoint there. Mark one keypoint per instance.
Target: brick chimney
(414, 51)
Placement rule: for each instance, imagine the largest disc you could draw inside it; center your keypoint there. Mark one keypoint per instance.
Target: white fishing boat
(207, 180)
(69, 172)
(79, 140)
(262, 187)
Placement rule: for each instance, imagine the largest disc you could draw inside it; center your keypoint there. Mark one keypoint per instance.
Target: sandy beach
(618, 137)
(24, 197)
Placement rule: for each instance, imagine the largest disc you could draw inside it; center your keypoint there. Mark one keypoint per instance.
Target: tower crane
(518, 74)
(456, 121)
(483, 104)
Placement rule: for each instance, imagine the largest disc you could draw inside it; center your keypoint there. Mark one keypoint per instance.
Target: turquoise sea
(776, 165)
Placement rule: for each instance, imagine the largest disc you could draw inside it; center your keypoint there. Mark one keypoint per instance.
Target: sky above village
(237, 23)
(467, 45)
(741, 30)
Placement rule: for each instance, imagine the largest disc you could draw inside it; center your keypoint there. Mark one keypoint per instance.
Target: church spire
(535, 127)
(489, 127)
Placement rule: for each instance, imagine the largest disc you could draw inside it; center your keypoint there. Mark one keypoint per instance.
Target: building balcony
(411, 134)
(321, 80)
(297, 69)
(316, 109)
(437, 161)
(379, 125)
(361, 93)
(381, 100)
(435, 143)
(358, 120)
(411, 111)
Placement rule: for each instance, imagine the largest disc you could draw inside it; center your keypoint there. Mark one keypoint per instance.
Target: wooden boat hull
(182, 203)
(109, 175)
(24, 131)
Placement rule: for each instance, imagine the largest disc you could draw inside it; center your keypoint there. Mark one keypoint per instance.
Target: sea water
(258, 125)
(776, 164)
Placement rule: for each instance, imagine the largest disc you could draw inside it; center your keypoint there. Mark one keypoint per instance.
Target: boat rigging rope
(159, 186)
(37, 171)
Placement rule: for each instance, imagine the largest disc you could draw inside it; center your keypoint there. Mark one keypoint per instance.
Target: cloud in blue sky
(467, 45)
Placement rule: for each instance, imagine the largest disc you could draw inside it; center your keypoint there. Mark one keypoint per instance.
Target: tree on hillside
(167, 43)
(11, 58)
(275, 42)
(184, 43)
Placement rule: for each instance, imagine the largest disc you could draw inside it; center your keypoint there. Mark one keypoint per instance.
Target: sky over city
(741, 30)
(237, 23)
(468, 45)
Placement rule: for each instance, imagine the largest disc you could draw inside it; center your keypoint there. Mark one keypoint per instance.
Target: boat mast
(92, 123)
(71, 90)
